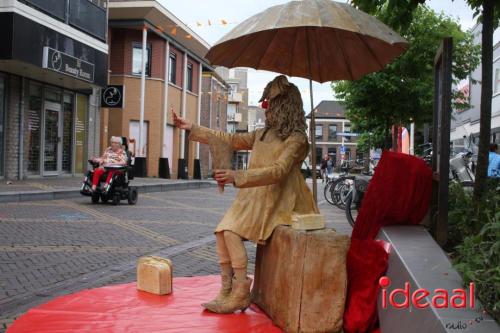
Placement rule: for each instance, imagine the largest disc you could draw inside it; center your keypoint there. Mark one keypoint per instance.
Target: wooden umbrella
(319, 40)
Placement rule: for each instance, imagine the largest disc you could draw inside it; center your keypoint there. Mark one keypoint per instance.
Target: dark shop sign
(112, 97)
(66, 64)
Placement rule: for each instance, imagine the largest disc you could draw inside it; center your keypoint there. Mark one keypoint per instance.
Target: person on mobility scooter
(109, 179)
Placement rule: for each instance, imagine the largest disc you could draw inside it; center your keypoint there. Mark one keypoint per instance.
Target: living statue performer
(271, 189)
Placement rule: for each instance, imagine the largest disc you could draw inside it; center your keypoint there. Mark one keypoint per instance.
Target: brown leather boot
(224, 292)
(239, 299)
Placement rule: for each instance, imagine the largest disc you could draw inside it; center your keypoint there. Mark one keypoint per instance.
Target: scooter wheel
(116, 199)
(133, 195)
(95, 198)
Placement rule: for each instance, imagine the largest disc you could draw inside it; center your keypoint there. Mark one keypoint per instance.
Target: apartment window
(496, 88)
(190, 77)
(332, 132)
(233, 88)
(172, 67)
(319, 132)
(347, 129)
(137, 59)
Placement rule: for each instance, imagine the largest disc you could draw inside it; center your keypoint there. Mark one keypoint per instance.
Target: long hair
(285, 111)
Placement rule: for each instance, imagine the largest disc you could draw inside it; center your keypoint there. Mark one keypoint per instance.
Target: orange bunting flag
(224, 22)
(189, 36)
(173, 31)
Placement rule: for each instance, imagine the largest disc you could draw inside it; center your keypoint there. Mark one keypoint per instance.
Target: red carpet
(122, 308)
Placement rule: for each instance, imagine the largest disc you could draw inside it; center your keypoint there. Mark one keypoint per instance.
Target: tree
(403, 91)
(396, 13)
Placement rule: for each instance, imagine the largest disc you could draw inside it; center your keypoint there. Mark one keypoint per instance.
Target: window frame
(318, 137)
(149, 51)
(172, 62)
(496, 83)
(330, 136)
(189, 76)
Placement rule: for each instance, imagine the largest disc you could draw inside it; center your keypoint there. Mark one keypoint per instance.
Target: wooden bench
(301, 279)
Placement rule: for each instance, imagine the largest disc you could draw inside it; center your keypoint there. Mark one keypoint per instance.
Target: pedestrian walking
(329, 165)
(494, 162)
(324, 165)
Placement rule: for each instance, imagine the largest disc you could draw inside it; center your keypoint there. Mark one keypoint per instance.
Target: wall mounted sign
(112, 96)
(64, 63)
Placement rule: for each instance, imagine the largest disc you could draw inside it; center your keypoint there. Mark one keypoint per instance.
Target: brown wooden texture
(301, 279)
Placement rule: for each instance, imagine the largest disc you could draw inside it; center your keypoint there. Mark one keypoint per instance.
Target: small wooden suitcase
(154, 275)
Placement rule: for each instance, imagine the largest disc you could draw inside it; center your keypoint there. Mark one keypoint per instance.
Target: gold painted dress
(272, 188)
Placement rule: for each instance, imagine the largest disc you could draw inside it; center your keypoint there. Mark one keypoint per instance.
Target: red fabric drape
(399, 193)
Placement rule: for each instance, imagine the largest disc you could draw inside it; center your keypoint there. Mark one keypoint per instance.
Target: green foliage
(399, 13)
(474, 238)
(403, 91)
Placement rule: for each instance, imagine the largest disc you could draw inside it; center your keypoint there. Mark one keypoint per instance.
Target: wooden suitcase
(154, 275)
(301, 279)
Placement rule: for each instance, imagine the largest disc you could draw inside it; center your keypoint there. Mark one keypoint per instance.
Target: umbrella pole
(313, 144)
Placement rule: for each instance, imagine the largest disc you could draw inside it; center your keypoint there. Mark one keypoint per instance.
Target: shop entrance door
(52, 133)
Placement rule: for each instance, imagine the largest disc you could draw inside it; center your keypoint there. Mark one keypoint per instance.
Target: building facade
(53, 61)
(214, 97)
(465, 123)
(333, 132)
(256, 118)
(237, 108)
(171, 81)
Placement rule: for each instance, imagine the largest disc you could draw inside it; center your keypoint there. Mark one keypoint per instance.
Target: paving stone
(51, 247)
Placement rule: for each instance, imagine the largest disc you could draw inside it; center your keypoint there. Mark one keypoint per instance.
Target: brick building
(171, 81)
(213, 113)
(333, 132)
(53, 60)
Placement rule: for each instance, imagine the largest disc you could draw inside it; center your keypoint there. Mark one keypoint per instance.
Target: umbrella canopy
(320, 40)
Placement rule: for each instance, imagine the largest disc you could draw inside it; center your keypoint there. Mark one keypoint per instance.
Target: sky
(196, 12)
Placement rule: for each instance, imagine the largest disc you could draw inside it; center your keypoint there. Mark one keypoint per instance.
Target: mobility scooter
(118, 188)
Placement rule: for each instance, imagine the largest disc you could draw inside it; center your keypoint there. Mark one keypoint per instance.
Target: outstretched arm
(238, 141)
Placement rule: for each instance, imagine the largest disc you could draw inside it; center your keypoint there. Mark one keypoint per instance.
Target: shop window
(80, 130)
(67, 138)
(34, 127)
(189, 77)
(172, 67)
(2, 122)
(137, 59)
(319, 155)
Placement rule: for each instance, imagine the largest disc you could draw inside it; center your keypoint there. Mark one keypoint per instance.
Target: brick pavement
(51, 248)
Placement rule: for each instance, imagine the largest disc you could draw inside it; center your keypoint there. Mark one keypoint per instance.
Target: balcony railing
(235, 117)
(88, 17)
(56, 8)
(84, 15)
(235, 98)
